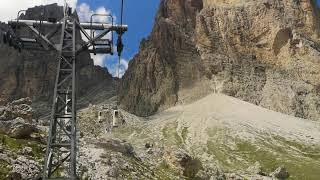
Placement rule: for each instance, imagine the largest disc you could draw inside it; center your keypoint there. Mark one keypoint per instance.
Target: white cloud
(124, 64)
(112, 65)
(103, 10)
(99, 59)
(9, 9)
(114, 68)
(85, 12)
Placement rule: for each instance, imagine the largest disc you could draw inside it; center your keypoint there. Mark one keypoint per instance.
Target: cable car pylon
(61, 152)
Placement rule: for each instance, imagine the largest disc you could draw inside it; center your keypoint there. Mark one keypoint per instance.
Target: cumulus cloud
(85, 12)
(9, 9)
(113, 69)
(111, 62)
(103, 10)
(124, 64)
(99, 59)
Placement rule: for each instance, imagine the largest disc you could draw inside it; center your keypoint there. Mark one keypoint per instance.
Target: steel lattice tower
(61, 153)
(61, 149)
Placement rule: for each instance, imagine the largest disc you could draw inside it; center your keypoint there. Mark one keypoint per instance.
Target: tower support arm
(93, 26)
(43, 37)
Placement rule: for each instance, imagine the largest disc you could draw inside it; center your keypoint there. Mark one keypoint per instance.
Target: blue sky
(138, 15)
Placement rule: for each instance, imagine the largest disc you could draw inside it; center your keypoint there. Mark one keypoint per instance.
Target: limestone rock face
(24, 168)
(18, 108)
(32, 73)
(167, 62)
(265, 52)
(16, 119)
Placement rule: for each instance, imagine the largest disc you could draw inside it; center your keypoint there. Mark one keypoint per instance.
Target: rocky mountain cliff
(32, 73)
(265, 52)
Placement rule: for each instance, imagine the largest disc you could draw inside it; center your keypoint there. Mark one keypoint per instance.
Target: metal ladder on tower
(61, 148)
